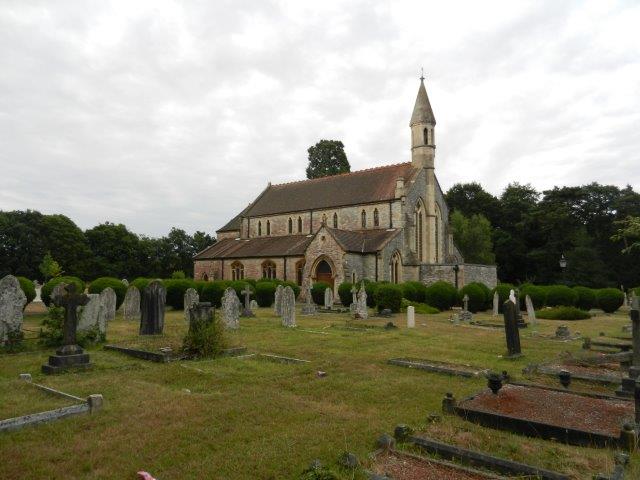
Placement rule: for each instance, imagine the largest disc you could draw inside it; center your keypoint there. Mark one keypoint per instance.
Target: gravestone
(231, 309)
(361, 309)
(200, 313)
(38, 291)
(125, 282)
(277, 304)
(627, 388)
(328, 298)
(12, 302)
(246, 312)
(191, 297)
(152, 304)
(254, 305)
(562, 332)
(465, 314)
(57, 291)
(131, 304)
(496, 304)
(92, 315)
(531, 312)
(354, 299)
(309, 308)
(519, 318)
(109, 300)
(288, 308)
(512, 332)
(70, 354)
(411, 317)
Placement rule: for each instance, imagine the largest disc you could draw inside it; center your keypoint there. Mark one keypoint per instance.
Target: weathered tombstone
(247, 302)
(288, 308)
(309, 308)
(131, 304)
(125, 282)
(361, 309)
(57, 291)
(191, 297)
(465, 314)
(511, 329)
(465, 302)
(12, 302)
(92, 315)
(531, 312)
(200, 313)
(254, 305)
(70, 354)
(496, 304)
(411, 316)
(328, 298)
(562, 332)
(277, 304)
(109, 300)
(519, 318)
(354, 299)
(230, 309)
(152, 304)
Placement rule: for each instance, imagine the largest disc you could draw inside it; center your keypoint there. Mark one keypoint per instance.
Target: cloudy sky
(158, 113)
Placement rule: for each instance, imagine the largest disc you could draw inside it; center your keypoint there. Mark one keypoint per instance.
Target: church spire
(422, 113)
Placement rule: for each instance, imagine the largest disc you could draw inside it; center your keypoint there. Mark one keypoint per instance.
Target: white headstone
(288, 308)
(328, 298)
(277, 304)
(191, 297)
(411, 316)
(253, 304)
(531, 312)
(131, 304)
(512, 296)
(12, 301)
(496, 304)
(231, 309)
(108, 299)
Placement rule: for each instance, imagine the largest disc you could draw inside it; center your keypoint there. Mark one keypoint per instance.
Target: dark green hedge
(344, 292)
(586, 298)
(537, 294)
(99, 284)
(477, 297)
(176, 289)
(561, 295)
(562, 313)
(388, 296)
(265, 293)
(213, 292)
(317, 292)
(441, 295)
(609, 299)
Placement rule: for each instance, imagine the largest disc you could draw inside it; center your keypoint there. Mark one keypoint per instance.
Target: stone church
(384, 223)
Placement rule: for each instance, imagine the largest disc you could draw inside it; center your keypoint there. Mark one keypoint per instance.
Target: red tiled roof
(292, 245)
(362, 241)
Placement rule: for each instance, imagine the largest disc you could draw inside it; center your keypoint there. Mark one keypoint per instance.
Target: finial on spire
(421, 74)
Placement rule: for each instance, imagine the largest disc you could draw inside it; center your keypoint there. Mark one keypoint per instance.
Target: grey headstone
(328, 298)
(247, 312)
(191, 297)
(230, 309)
(465, 301)
(92, 315)
(531, 312)
(200, 313)
(108, 299)
(154, 297)
(496, 304)
(57, 291)
(253, 305)
(563, 332)
(288, 308)
(361, 304)
(125, 282)
(309, 308)
(277, 305)
(354, 299)
(12, 301)
(131, 304)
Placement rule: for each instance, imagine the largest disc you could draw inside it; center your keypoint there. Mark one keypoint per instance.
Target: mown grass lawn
(241, 418)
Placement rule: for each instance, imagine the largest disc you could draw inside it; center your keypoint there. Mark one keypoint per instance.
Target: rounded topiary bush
(419, 307)
(48, 287)
(265, 293)
(586, 298)
(28, 288)
(99, 284)
(409, 291)
(476, 294)
(563, 313)
(537, 294)
(488, 298)
(344, 292)
(370, 287)
(388, 296)
(317, 292)
(140, 283)
(213, 292)
(441, 295)
(176, 289)
(561, 295)
(609, 299)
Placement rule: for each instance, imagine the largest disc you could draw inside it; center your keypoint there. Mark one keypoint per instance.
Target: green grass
(237, 418)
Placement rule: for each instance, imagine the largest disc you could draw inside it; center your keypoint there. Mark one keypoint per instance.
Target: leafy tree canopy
(326, 158)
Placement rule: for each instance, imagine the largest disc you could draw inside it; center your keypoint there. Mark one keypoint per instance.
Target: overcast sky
(158, 114)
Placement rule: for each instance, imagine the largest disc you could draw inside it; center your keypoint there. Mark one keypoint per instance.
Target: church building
(384, 223)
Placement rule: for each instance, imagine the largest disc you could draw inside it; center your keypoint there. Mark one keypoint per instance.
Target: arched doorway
(324, 272)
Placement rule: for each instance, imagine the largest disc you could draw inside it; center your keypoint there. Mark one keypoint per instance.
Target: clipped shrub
(317, 292)
(477, 299)
(48, 287)
(265, 293)
(213, 292)
(562, 313)
(204, 339)
(609, 299)
(370, 287)
(488, 296)
(538, 295)
(419, 307)
(389, 296)
(421, 291)
(176, 289)
(178, 275)
(199, 285)
(344, 292)
(586, 298)
(140, 283)
(99, 284)
(441, 295)
(561, 295)
(294, 286)
(28, 288)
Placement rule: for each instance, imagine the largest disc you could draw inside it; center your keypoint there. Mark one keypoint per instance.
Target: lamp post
(563, 265)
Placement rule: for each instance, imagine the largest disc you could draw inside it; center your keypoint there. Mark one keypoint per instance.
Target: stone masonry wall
(468, 273)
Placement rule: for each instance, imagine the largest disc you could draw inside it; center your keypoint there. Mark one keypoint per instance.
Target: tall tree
(115, 251)
(471, 198)
(326, 158)
(473, 237)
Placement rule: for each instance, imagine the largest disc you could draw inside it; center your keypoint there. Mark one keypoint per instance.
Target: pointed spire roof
(422, 112)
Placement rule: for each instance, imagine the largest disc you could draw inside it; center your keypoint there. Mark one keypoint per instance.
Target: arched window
(259, 229)
(354, 278)
(237, 271)
(419, 226)
(268, 270)
(324, 219)
(299, 224)
(335, 220)
(268, 227)
(396, 268)
(290, 226)
(376, 218)
(425, 135)
(299, 271)
(363, 218)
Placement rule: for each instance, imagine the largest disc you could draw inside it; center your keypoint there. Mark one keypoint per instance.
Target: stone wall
(252, 268)
(468, 273)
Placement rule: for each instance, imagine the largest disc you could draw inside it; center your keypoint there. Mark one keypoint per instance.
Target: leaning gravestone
(191, 297)
(152, 304)
(512, 332)
(131, 304)
(328, 298)
(288, 308)
(496, 304)
(12, 301)
(230, 309)
(277, 304)
(309, 307)
(361, 305)
(109, 300)
(531, 312)
(92, 315)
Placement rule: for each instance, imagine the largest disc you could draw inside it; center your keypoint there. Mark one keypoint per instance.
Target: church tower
(423, 145)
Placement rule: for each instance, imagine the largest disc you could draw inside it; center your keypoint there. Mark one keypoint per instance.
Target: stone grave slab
(605, 373)
(436, 366)
(537, 411)
(165, 355)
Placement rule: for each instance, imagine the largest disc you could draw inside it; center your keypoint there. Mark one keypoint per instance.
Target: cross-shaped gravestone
(465, 299)
(70, 302)
(247, 302)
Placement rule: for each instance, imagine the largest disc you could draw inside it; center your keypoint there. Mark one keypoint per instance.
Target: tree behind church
(327, 158)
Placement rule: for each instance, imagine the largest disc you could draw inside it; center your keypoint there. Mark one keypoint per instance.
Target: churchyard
(314, 391)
